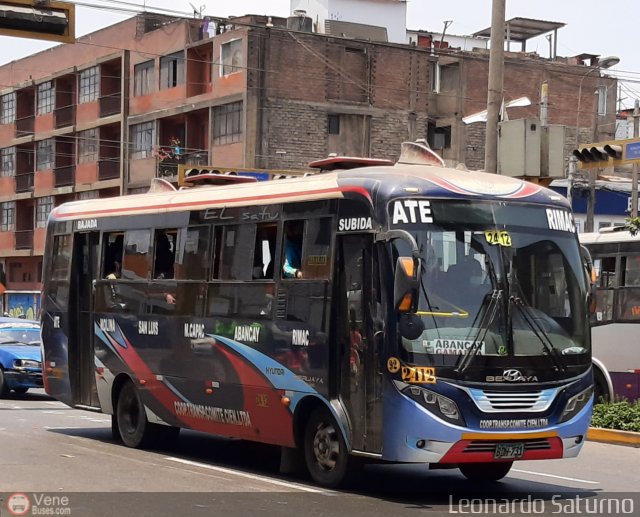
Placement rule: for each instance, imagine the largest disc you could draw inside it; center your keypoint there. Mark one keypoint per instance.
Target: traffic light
(38, 19)
(614, 153)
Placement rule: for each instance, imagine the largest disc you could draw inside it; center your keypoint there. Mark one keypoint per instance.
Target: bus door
(84, 270)
(356, 308)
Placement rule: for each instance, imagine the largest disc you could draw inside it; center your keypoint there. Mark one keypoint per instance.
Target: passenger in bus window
(293, 249)
(165, 255)
(116, 271)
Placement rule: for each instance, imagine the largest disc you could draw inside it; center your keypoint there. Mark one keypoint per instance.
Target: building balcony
(24, 126)
(24, 182)
(108, 169)
(64, 176)
(110, 105)
(65, 116)
(24, 239)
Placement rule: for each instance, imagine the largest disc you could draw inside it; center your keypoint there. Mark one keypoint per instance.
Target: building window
(44, 154)
(8, 108)
(142, 139)
(88, 194)
(8, 216)
(44, 205)
(227, 123)
(46, 97)
(143, 78)
(87, 146)
(334, 124)
(231, 57)
(8, 161)
(89, 84)
(171, 70)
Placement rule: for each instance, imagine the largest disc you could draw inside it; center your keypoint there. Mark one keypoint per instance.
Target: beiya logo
(18, 504)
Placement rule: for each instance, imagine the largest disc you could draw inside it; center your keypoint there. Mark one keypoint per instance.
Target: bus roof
(388, 181)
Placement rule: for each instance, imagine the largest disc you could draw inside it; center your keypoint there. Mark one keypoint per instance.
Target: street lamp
(604, 63)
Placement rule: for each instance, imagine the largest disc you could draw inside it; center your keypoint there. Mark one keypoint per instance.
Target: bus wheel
(20, 391)
(485, 471)
(133, 426)
(600, 388)
(325, 451)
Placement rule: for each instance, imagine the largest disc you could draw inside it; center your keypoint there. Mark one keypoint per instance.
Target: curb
(613, 436)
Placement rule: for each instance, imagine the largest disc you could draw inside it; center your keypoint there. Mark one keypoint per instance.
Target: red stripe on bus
(358, 190)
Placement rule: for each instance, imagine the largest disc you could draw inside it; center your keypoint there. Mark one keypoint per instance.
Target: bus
(435, 316)
(615, 314)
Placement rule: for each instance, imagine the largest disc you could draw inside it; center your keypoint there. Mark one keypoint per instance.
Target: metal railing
(24, 182)
(24, 126)
(24, 239)
(108, 169)
(64, 176)
(65, 116)
(110, 105)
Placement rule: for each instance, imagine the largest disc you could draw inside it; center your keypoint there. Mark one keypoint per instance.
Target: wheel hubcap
(326, 446)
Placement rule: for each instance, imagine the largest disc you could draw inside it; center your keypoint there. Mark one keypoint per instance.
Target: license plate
(508, 451)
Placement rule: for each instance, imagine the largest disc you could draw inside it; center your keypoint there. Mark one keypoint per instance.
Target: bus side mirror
(406, 284)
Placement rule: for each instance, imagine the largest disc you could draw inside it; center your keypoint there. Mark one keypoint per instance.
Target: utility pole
(495, 85)
(634, 171)
(591, 202)
(570, 177)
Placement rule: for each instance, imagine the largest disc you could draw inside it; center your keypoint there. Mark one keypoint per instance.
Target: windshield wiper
(539, 332)
(483, 328)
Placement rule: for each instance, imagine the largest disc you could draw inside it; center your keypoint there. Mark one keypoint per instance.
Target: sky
(592, 26)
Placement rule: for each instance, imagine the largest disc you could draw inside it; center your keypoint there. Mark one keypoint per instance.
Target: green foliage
(633, 225)
(624, 416)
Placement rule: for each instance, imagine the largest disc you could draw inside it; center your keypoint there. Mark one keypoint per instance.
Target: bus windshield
(498, 280)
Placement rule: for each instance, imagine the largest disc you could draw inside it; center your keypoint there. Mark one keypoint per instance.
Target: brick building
(125, 104)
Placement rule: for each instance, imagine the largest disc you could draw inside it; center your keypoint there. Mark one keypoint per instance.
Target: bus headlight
(437, 404)
(575, 404)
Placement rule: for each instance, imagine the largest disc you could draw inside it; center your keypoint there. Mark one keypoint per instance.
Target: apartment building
(131, 102)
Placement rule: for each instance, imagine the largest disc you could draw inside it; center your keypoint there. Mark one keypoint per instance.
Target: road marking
(250, 476)
(556, 477)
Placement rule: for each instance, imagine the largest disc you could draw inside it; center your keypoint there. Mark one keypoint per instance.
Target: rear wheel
(485, 471)
(133, 426)
(600, 387)
(325, 450)
(20, 391)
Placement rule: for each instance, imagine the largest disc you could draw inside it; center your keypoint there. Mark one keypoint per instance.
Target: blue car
(20, 355)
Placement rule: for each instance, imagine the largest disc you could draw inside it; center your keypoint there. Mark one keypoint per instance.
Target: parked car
(20, 355)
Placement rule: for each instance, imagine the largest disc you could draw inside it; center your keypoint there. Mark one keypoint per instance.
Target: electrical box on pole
(38, 19)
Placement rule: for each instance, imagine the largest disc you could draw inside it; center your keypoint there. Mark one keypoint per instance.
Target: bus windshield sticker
(450, 346)
(560, 220)
(411, 211)
(393, 365)
(499, 237)
(418, 374)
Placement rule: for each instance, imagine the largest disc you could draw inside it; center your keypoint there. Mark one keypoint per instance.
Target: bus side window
(316, 253)
(264, 252)
(192, 255)
(237, 252)
(112, 254)
(165, 254)
(137, 253)
(631, 267)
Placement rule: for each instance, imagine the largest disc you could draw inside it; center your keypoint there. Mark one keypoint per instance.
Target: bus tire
(20, 391)
(115, 432)
(485, 471)
(325, 451)
(600, 387)
(133, 426)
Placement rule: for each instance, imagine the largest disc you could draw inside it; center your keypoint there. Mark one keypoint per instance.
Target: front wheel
(3, 385)
(485, 471)
(325, 451)
(20, 391)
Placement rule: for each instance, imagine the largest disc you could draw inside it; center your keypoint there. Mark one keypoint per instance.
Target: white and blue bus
(434, 316)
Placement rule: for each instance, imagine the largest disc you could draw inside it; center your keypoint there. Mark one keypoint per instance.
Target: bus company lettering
(87, 224)
(411, 211)
(247, 333)
(450, 346)
(514, 423)
(354, 223)
(560, 220)
(213, 414)
(107, 324)
(148, 328)
(194, 330)
(300, 337)
(274, 371)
